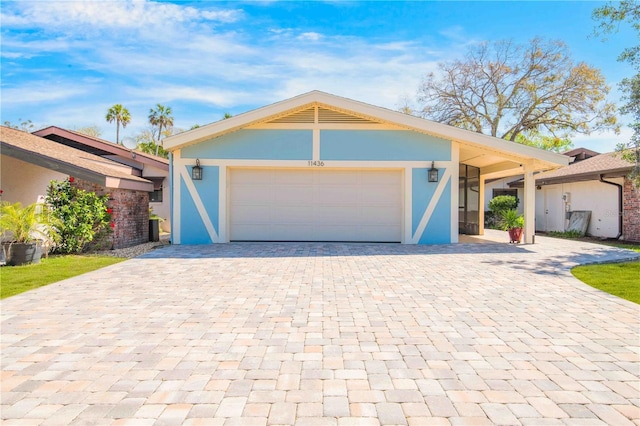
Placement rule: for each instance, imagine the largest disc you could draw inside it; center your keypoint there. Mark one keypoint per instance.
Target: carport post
(529, 202)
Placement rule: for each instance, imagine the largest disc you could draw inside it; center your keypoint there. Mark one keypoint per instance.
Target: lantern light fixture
(196, 171)
(433, 173)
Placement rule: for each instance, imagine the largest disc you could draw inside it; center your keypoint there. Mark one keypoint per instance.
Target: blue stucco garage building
(319, 167)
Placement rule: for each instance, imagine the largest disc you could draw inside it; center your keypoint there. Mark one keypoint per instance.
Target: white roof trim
(433, 128)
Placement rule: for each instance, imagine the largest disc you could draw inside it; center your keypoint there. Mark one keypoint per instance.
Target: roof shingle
(46, 153)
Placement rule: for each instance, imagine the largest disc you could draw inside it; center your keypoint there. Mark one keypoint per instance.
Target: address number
(316, 163)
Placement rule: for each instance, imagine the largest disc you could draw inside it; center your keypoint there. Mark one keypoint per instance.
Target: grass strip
(18, 279)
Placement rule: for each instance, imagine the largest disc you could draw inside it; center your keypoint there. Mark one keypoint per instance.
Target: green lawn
(18, 279)
(619, 279)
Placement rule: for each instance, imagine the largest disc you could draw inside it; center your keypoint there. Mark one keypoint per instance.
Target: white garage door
(315, 205)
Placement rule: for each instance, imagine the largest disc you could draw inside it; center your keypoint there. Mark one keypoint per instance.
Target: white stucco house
(592, 182)
(147, 166)
(28, 163)
(318, 167)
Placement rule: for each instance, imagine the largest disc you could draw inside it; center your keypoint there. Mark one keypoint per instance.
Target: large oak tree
(531, 93)
(610, 16)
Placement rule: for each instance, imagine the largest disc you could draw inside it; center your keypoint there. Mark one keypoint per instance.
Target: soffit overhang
(495, 157)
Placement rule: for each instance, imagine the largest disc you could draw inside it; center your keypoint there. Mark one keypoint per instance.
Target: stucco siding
(438, 209)
(15, 185)
(426, 206)
(599, 198)
(191, 224)
(438, 230)
(382, 145)
(256, 145)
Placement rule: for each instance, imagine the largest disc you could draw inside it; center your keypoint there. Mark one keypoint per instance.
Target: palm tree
(120, 115)
(160, 117)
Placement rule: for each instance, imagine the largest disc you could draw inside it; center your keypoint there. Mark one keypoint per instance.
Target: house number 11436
(316, 163)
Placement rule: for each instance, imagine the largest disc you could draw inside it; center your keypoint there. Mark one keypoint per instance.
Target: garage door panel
(249, 194)
(381, 195)
(384, 177)
(248, 232)
(250, 176)
(293, 195)
(337, 195)
(294, 215)
(332, 215)
(381, 215)
(249, 213)
(337, 177)
(315, 205)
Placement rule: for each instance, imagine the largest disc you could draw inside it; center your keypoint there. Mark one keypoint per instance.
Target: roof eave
(444, 131)
(74, 170)
(104, 145)
(578, 177)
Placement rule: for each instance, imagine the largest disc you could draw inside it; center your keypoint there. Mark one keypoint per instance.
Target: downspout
(619, 204)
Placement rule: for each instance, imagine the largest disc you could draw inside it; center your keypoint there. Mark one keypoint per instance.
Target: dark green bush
(502, 203)
(82, 216)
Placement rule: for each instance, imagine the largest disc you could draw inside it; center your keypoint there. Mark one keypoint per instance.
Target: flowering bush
(83, 216)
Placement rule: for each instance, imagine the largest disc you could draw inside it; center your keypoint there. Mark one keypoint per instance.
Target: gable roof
(609, 164)
(493, 155)
(102, 148)
(581, 153)
(52, 155)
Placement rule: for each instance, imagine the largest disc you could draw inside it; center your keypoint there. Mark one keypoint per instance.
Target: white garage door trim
(315, 205)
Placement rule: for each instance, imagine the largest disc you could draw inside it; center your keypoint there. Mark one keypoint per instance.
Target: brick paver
(336, 334)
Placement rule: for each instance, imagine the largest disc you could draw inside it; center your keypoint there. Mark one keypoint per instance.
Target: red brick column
(130, 216)
(130, 213)
(630, 212)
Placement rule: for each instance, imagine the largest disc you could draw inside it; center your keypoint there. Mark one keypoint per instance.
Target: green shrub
(83, 216)
(502, 203)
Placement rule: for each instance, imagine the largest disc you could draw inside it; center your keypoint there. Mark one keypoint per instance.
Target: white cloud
(38, 93)
(310, 36)
(142, 53)
(72, 16)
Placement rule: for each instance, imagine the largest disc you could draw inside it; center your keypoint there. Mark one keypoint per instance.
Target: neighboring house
(592, 182)
(503, 186)
(150, 167)
(29, 163)
(318, 167)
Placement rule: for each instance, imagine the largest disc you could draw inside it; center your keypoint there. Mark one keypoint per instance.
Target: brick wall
(631, 212)
(130, 214)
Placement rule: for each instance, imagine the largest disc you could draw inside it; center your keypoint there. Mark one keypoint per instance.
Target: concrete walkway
(335, 334)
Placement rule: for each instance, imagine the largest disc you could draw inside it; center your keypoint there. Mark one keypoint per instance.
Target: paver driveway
(326, 334)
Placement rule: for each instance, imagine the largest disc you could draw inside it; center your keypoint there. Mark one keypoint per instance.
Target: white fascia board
(237, 122)
(118, 183)
(444, 131)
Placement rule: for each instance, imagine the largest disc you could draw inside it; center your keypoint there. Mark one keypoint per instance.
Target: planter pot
(515, 235)
(22, 253)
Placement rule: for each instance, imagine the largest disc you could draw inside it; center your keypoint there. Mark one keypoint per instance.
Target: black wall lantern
(196, 171)
(433, 173)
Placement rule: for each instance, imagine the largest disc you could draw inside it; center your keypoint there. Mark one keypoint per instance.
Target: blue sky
(65, 63)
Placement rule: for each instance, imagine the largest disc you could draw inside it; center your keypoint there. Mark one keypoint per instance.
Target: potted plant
(23, 231)
(513, 222)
